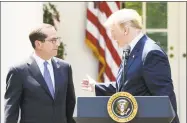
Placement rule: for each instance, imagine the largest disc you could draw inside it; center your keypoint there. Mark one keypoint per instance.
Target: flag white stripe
(111, 63)
(106, 79)
(113, 6)
(92, 9)
(93, 30)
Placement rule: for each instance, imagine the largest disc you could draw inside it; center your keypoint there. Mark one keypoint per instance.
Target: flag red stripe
(91, 38)
(103, 11)
(104, 7)
(109, 73)
(102, 31)
(101, 51)
(118, 4)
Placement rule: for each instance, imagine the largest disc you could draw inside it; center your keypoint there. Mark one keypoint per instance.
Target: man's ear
(38, 44)
(126, 30)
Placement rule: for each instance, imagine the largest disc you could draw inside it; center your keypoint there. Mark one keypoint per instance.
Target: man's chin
(55, 53)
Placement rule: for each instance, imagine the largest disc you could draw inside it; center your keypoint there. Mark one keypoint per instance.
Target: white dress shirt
(40, 63)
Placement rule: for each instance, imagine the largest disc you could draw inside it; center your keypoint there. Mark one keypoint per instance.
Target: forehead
(50, 31)
(114, 26)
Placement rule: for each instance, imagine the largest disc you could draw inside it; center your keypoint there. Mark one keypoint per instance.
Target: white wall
(17, 18)
(173, 41)
(182, 61)
(177, 39)
(72, 31)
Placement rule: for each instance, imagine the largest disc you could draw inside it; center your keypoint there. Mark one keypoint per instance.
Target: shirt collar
(135, 40)
(41, 61)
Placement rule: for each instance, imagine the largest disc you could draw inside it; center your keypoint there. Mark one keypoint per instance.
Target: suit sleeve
(12, 96)
(70, 98)
(105, 89)
(157, 75)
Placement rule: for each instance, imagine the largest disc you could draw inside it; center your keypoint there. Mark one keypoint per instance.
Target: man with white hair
(145, 69)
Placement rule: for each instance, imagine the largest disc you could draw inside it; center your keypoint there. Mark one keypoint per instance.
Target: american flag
(100, 41)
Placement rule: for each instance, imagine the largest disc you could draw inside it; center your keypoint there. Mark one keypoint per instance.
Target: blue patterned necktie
(125, 57)
(48, 79)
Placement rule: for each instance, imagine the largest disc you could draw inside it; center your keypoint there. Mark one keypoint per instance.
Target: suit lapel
(134, 53)
(133, 56)
(56, 69)
(35, 71)
(131, 59)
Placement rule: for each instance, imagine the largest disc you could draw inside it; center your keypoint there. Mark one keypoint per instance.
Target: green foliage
(156, 15)
(61, 51)
(133, 5)
(50, 12)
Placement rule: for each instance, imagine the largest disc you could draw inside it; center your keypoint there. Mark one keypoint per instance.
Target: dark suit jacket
(26, 89)
(147, 74)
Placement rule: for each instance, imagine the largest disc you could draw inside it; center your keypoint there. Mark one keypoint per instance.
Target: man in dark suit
(42, 87)
(145, 69)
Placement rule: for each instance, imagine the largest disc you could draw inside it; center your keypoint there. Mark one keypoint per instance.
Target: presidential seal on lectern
(122, 107)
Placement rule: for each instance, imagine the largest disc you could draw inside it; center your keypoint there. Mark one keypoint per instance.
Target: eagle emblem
(122, 107)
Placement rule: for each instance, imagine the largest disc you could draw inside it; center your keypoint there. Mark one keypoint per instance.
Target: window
(154, 15)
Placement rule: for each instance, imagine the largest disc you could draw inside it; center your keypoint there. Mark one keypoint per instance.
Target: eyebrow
(54, 38)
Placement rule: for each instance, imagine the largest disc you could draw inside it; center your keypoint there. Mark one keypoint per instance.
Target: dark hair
(38, 34)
